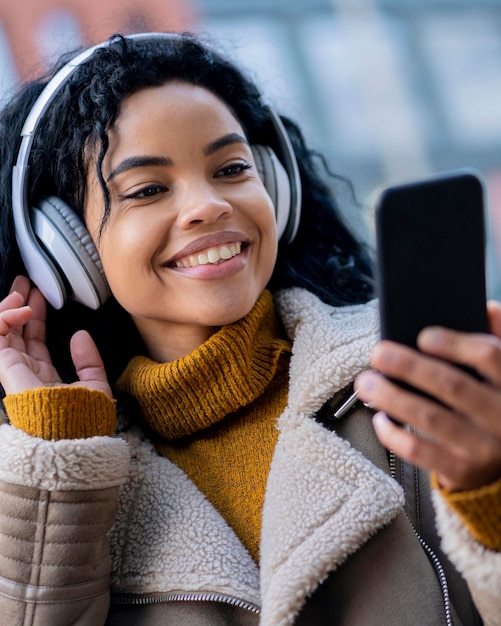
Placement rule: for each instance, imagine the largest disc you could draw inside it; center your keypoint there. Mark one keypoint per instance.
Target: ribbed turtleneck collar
(228, 371)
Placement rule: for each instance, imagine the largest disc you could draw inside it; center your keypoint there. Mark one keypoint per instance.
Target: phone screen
(430, 238)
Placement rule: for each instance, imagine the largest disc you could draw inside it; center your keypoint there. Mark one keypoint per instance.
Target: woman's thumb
(88, 362)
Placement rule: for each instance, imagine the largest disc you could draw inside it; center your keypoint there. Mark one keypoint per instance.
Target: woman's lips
(211, 248)
(212, 255)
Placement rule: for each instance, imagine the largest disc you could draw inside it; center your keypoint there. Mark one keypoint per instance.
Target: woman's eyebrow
(226, 140)
(148, 161)
(138, 161)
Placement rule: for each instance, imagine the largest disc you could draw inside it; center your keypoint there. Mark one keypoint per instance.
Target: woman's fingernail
(384, 355)
(379, 420)
(432, 338)
(366, 382)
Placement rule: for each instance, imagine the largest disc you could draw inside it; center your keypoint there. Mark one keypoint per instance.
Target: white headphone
(56, 248)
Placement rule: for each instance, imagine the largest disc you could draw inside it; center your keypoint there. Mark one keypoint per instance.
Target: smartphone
(430, 256)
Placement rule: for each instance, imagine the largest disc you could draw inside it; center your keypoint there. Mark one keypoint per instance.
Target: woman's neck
(177, 343)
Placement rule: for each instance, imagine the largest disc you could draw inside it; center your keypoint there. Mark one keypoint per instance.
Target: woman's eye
(233, 170)
(147, 192)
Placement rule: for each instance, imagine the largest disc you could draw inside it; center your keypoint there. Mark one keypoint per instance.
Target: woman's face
(191, 240)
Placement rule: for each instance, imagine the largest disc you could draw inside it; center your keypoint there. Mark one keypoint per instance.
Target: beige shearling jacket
(104, 531)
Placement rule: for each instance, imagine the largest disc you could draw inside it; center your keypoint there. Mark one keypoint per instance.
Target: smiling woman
(176, 197)
(177, 464)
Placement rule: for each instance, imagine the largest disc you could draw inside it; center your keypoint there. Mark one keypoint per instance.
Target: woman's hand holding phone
(459, 435)
(25, 362)
(430, 274)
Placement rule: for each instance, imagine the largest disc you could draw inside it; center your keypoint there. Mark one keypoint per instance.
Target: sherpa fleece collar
(324, 499)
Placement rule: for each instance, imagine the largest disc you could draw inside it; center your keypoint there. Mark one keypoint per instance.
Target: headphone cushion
(71, 248)
(73, 229)
(276, 182)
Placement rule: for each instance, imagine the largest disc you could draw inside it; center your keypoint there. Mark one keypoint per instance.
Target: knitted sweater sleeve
(469, 524)
(55, 413)
(479, 510)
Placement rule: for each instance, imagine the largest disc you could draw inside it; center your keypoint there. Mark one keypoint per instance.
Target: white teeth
(212, 255)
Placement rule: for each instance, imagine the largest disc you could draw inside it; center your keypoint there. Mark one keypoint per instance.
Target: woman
(223, 493)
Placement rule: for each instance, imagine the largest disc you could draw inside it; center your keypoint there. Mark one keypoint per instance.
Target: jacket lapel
(331, 345)
(324, 498)
(168, 537)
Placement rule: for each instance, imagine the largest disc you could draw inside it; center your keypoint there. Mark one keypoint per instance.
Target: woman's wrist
(479, 510)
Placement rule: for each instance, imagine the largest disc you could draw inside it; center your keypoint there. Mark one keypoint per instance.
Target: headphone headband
(60, 78)
(41, 266)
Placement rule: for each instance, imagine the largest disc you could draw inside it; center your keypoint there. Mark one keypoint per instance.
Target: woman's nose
(200, 203)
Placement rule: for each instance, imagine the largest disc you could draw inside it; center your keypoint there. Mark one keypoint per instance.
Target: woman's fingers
(21, 285)
(14, 313)
(481, 352)
(13, 301)
(449, 384)
(433, 420)
(88, 362)
(19, 371)
(454, 423)
(494, 314)
(12, 322)
(25, 361)
(34, 332)
(476, 464)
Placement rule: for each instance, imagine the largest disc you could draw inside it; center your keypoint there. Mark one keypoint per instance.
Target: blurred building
(32, 32)
(389, 90)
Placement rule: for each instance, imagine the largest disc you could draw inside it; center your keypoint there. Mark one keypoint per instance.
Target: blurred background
(388, 90)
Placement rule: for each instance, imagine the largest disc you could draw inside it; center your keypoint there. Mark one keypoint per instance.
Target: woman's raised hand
(25, 362)
(459, 437)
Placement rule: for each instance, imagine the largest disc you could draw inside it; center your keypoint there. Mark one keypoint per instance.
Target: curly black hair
(325, 257)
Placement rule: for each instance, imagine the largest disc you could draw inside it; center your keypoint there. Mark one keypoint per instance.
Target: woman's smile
(209, 264)
(212, 249)
(212, 256)
(191, 240)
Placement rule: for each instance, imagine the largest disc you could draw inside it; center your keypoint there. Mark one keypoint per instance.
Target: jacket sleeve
(57, 504)
(479, 564)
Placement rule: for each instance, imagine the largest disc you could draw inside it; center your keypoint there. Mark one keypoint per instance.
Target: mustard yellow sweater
(213, 413)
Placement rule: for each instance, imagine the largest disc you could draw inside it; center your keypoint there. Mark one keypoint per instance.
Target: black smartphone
(430, 249)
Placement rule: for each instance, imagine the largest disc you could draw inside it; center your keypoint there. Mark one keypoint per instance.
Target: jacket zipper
(131, 599)
(432, 557)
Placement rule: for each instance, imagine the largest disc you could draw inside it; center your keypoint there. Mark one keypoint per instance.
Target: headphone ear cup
(276, 182)
(66, 240)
